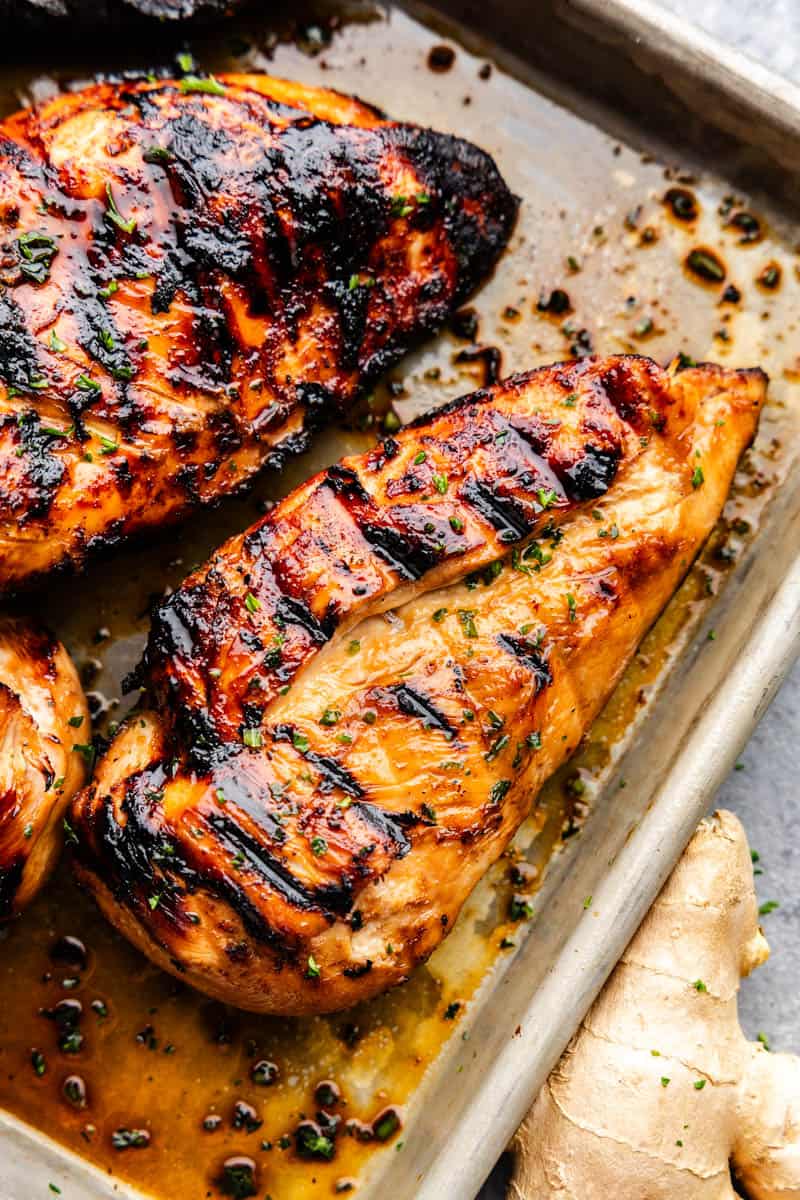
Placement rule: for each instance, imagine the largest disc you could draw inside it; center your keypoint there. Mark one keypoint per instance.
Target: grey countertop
(764, 790)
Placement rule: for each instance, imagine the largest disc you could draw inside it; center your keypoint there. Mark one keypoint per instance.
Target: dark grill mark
(44, 469)
(529, 656)
(415, 704)
(592, 475)
(406, 554)
(345, 483)
(334, 775)
(389, 825)
(508, 516)
(295, 612)
(257, 858)
(19, 354)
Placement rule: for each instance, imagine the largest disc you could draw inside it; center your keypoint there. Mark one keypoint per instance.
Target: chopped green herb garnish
(318, 846)
(440, 483)
(520, 909)
(86, 751)
(419, 458)
(386, 1126)
(353, 647)
(330, 717)
(252, 603)
(37, 251)
(312, 968)
(299, 741)
(207, 84)
(157, 155)
(252, 738)
(313, 1144)
(572, 607)
(56, 343)
(698, 478)
(439, 615)
(113, 213)
(401, 207)
(496, 747)
(767, 907)
(467, 618)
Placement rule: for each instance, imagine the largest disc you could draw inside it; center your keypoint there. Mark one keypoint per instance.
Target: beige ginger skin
(660, 1096)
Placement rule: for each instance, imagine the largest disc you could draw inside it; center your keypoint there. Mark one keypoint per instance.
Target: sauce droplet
(488, 356)
(238, 1178)
(770, 277)
(264, 1073)
(682, 204)
(74, 1091)
(327, 1093)
(386, 1124)
(748, 225)
(704, 264)
(69, 952)
(441, 58)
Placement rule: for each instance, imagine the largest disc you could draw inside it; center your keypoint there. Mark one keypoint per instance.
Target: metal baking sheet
(594, 111)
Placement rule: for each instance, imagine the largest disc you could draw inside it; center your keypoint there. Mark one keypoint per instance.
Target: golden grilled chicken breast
(195, 273)
(43, 716)
(353, 705)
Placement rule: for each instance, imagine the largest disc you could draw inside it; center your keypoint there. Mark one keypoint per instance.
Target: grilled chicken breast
(43, 715)
(195, 273)
(352, 707)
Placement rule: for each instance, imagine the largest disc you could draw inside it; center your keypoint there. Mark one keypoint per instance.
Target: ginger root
(660, 1095)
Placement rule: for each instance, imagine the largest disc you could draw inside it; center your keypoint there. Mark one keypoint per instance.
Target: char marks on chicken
(350, 709)
(45, 741)
(194, 275)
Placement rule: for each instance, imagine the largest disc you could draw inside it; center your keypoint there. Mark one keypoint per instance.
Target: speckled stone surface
(765, 789)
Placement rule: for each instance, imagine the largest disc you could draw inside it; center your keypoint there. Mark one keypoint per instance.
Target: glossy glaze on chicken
(352, 707)
(196, 273)
(43, 717)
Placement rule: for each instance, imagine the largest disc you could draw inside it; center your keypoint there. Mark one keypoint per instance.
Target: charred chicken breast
(43, 717)
(195, 273)
(352, 707)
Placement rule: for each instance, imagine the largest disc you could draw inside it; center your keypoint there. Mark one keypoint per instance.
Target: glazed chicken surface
(194, 274)
(351, 708)
(43, 717)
